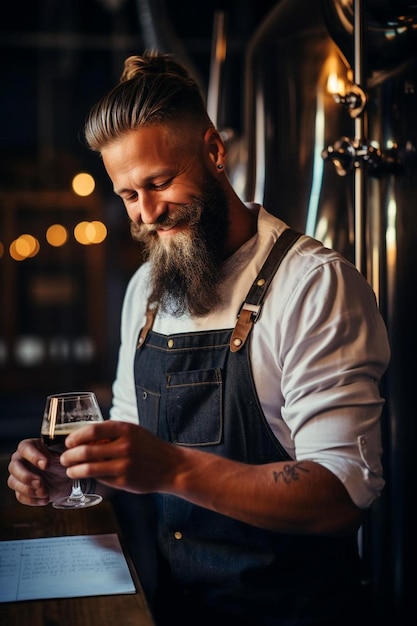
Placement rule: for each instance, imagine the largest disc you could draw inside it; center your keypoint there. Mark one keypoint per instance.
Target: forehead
(151, 145)
(141, 143)
(145, 153)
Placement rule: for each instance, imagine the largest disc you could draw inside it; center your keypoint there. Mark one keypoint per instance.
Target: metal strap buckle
(255, 308)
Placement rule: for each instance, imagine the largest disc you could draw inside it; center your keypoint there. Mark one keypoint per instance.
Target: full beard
(186, 268)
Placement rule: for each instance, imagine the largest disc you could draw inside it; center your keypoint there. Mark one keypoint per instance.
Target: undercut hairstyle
(153, 89)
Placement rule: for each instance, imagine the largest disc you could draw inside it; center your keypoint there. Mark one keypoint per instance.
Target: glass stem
(76, 491)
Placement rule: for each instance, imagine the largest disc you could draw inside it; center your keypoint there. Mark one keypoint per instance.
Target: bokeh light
(57, 235)
(83, 184)
(90, 232)
(24, 247)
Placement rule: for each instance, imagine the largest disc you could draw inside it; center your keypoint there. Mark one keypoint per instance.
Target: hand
(36, 475)
(120, 455)
(291, 496)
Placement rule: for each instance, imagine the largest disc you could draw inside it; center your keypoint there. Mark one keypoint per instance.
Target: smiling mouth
(168, 226)
(171, 230)
(165, 228)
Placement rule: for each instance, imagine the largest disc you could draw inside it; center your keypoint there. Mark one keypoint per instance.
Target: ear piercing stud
(220, 166)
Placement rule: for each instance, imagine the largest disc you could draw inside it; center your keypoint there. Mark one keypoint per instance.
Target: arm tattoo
(289, 473)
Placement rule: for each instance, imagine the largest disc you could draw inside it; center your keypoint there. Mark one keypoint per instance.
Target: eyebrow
(122, 191)
(149, 179)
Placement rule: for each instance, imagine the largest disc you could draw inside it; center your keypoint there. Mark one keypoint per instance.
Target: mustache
(188, 214)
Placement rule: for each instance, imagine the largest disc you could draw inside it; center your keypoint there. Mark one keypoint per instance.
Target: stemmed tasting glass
(65, 412)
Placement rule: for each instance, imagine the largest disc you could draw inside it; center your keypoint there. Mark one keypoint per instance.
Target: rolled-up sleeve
(333, 353)
(318, 352)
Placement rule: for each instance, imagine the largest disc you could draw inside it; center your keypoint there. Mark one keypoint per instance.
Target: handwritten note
(63, 567)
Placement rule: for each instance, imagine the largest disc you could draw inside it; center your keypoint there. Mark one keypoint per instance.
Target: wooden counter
(22, 522)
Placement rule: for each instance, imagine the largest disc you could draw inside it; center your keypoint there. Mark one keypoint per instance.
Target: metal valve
(347, 154)
(354, 101)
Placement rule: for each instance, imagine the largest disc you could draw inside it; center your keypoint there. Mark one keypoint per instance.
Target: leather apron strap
(150, 318)
(251, 308)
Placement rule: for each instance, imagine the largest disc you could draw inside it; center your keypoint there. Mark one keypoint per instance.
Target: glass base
(88, 499)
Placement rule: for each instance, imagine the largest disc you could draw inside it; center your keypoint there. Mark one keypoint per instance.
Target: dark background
(57, 57)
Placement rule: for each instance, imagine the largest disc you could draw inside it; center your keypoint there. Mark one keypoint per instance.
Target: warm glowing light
(27, 245)
(56, 235)
(24, 247)
(14, 253)
(90, 232)
(391, 233)
(83, 184)
(335, 85)
(80, 233)
(100, 231)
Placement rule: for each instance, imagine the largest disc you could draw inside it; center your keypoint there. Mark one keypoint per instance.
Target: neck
(243, 224)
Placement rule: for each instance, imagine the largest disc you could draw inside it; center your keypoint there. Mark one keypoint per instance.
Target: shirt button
(178, 534)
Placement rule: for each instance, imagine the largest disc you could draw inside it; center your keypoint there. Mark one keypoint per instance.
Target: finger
(95, 431)
(32, 451)
(23, 487)
(24, 472)
(29, 501)
(34, 493)
(102, 471)
(98, 431)
(96, 450)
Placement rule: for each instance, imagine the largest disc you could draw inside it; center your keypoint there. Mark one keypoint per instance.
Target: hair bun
(151, 62)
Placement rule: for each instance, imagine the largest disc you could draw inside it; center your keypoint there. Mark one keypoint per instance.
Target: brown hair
(153, 89)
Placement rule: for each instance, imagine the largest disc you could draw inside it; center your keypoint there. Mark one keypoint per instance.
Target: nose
(147, 208)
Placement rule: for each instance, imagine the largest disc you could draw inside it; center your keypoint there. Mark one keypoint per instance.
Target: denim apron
(194, 389)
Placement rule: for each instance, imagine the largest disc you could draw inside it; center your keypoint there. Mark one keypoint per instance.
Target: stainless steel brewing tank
(299, 66)
(291, 116)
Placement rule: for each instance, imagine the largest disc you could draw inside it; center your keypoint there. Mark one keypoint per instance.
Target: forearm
(291, 497)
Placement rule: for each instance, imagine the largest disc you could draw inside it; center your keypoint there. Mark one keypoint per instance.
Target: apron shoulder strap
(251, 308)
(150, 318)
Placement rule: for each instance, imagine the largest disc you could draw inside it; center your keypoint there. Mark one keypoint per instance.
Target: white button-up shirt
(318, 351)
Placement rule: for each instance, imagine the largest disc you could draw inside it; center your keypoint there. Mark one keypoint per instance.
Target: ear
(215, 149)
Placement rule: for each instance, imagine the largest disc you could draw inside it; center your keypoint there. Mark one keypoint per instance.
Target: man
(260, 444)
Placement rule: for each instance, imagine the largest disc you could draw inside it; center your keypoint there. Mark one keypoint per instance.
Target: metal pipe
(218, 57)
(360, 128)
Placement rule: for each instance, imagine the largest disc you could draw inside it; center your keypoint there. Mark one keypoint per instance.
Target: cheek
(130, 211)
(181, 192)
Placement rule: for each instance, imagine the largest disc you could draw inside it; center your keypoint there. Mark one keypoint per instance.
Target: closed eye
(161, 186)
(130, 198)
